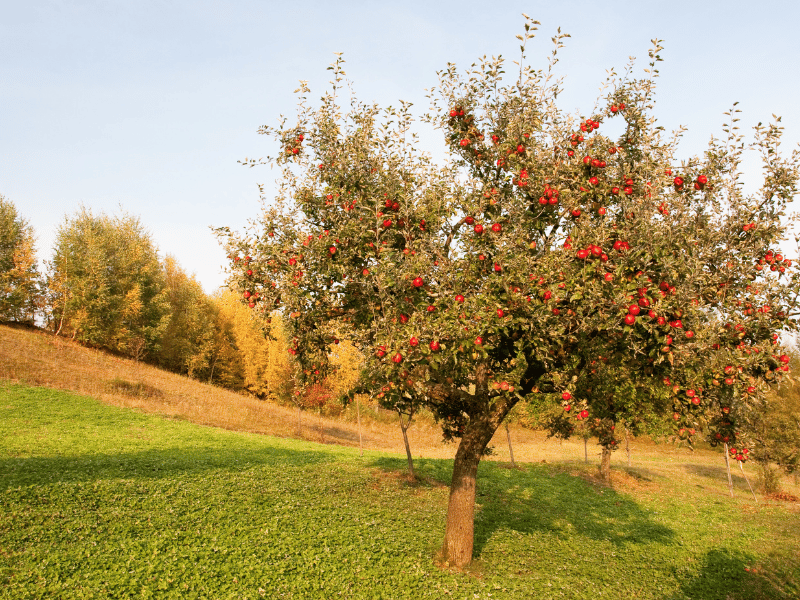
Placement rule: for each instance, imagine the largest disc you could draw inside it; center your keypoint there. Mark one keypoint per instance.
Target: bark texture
(404, 429)
(605, 465)
(459, 533)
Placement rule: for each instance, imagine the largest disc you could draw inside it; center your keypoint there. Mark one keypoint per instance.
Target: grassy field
(98, 501)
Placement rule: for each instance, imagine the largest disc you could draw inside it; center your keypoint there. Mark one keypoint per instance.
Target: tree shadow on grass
(729, 575)
(156, 463)
(717, 474)
(538, 498)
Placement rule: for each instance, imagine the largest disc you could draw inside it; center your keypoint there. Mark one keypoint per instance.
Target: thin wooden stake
(628, 446)
(510, 449)
(728, 467)
(748, 482)
(358, 413)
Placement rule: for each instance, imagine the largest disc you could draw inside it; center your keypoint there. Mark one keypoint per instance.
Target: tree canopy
(20, 292)
(107, 286)
(551, 254)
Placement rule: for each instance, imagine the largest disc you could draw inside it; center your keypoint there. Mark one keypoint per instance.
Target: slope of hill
(37, 358)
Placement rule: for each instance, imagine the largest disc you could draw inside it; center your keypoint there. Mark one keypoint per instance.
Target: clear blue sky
(148, 105)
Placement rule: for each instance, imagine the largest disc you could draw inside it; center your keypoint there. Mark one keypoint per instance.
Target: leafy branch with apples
(545, 259)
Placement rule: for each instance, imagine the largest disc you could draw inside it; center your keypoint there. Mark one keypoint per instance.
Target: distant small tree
(606, 402)
(106, 284)
(20, 292)
(771, 435)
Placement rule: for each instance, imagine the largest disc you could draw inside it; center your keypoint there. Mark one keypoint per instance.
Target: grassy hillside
(98, 501)
(37, 358)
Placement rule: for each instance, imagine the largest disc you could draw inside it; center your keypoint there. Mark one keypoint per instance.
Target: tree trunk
(213, 364)
(460, 530)
(510, 449)
(404, 428)
(299, 426)
(605, 465)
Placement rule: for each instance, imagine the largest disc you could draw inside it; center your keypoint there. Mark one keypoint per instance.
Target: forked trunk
(404, 429)
(460, 530)
(605, 465)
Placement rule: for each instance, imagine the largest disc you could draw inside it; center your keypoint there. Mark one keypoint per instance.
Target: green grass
(102, 502)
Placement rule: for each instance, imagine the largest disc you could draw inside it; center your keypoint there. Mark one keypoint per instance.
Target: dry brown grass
(38, 358)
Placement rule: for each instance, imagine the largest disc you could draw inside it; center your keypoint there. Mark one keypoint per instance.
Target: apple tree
(544, 246)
